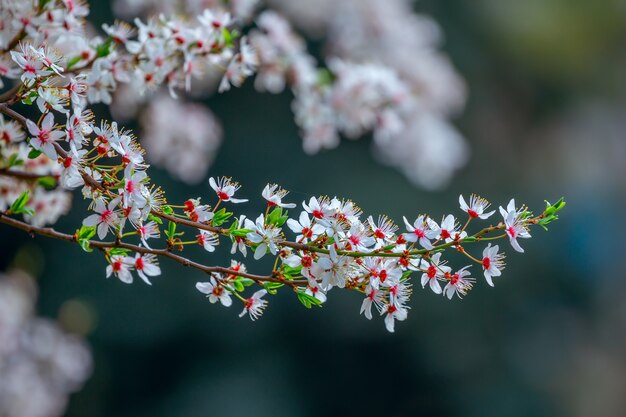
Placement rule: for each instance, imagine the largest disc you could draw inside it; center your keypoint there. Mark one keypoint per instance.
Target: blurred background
(545, 118)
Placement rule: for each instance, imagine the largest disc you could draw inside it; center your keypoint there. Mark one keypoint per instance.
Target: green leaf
(271, 287)
(47, 182)
(104, 49)
(86, 232)
(84, 244)
(238, 286)
(34, 153)
(277, 218)
(118, 251)
(245, 281)
(220, 217)
(72, 61)
(308, 300)
(228, 37)
(167, 209)
(171, 230)
(240, 232)
(14, 161)
(155, 218)
(19, 204)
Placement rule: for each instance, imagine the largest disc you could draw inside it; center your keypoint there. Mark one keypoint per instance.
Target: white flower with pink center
(435, 270)
(476, 207)
(43, 138)
(493, 263)
(514, 226)
(254, 305)
(225, 188)
(146, 266)
(106, 217)
(120, 266)
(305, 230)
(459, 283)
(274, 196)
(420, 232)
(215, 292)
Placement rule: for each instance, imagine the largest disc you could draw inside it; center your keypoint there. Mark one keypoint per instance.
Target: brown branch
(51, 233)
(26, 176)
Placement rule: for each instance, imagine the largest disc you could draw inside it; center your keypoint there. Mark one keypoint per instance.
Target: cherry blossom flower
(208, 240)
(384, 229)
(147, 231)
(274, 195)
(314, 290)
(374, 297)
(215, 292)
(254, 305)
(120, 266)
(70, 176)
(334, 268)
(105, 219)
(459, 283)
(43, 138)
(420, 232)
(225, 188)
(304, 229)
(435, 270)
(514, 226)
(476, 207)
(198, 212)
(448, 231)
(493, 263)
(133, 189)
(394, 313)
(265, 236)
(147, 266)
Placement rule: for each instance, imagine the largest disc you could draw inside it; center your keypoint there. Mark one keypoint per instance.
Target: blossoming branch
(328, 244)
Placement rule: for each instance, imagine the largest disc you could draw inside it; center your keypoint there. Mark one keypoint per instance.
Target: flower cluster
(383, 72)
(131, 223)
(40, 364)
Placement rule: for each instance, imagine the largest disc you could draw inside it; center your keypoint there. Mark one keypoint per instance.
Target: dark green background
(545, 119)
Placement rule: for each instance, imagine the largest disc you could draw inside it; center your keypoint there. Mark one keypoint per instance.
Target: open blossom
(225, 188)
(215, 292)
(314, 290)
(120, 266)
(133, 190)
(147, 231)
(492, 263)
(476, 207)
(435, 270)
(448, 231)
(147, 266)
(208, 240)
(420, 232)
(70, 176)
(460, 283)
(384, 229)
(514, 226)
(374, 297)
(319, 209)
(105, 219)
(334, 269)
(43, 138)
(254, 305)
(394, 313)
(304, 229)
(274, 196)
(198, 212)
(266, 236)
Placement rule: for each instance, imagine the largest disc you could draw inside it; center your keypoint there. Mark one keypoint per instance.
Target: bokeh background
(546, 118)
